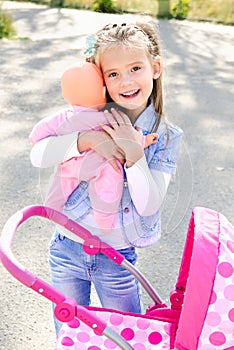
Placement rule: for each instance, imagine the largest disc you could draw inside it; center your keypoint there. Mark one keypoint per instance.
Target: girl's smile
(130, 93)
(128, 75)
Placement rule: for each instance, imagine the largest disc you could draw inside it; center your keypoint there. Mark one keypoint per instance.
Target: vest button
(126, 210)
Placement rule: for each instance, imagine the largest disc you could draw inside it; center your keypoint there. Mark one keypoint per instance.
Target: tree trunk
(163, 8)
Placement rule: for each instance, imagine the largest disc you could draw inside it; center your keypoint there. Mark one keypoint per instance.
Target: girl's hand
(126, 137)
(102, 143)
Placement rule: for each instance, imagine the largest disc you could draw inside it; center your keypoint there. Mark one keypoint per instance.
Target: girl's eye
(111, 75)
(134, 69)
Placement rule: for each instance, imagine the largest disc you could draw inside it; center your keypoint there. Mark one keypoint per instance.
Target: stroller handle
(92, 245)
(66, 309)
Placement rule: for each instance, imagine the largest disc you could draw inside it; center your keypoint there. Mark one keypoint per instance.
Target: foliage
(180, 9)
(163, 9)
(57, 3)
(106, 6)
(7, 29)
(219, 11)
(137, 6)
(79, 5)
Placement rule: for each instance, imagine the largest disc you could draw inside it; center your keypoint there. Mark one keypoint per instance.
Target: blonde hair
(139, 35)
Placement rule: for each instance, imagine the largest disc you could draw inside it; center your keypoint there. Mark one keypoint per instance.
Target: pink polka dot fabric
(141, 333)
(218, 330)
(207, 317)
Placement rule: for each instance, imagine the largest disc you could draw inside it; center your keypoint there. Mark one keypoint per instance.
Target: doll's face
(84, 86)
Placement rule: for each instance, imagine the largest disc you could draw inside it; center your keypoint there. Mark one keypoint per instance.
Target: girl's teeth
(129, 93)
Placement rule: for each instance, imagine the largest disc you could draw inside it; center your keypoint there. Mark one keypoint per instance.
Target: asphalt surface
(199, 98)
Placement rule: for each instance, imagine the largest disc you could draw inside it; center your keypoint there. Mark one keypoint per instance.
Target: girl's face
(128, 75)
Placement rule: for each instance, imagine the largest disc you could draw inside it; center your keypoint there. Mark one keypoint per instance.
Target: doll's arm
(75, 119)
(51, 126)
(149, 139)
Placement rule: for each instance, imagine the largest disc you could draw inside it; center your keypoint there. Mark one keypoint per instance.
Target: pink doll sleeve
(76, 119)
(51, 126)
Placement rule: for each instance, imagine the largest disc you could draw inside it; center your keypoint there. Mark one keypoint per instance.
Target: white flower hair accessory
(90, 45)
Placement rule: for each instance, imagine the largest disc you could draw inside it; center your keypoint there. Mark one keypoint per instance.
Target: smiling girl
(130, 60)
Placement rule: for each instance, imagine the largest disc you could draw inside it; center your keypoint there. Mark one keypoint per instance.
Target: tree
(163, 8)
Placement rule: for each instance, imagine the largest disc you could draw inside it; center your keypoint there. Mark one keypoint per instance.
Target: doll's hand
(126, 137)
(149, 139)
(103, 144)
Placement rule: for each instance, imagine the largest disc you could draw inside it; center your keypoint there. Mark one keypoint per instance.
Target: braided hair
(139, 35)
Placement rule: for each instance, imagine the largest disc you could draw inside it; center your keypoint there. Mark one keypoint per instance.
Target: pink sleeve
(51, 126)
(66, 122)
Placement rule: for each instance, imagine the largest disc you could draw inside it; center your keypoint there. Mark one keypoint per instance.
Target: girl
(130, 60)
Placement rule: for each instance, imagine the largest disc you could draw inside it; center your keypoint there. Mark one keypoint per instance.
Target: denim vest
(140, 231)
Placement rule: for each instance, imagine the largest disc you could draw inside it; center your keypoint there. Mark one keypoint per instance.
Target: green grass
(219, 11)
(132, 6)
(7, 29)
(144, 7)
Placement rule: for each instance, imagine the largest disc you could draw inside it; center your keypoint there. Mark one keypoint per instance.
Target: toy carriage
(201, 311)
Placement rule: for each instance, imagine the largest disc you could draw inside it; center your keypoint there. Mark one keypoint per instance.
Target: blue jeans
(73, 271)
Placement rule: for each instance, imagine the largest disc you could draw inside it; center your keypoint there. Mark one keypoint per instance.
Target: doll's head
(83, 86)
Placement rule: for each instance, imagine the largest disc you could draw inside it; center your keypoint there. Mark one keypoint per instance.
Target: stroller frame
(208, 232)
(66, 308)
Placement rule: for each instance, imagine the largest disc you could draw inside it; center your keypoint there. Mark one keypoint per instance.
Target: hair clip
(90, 45)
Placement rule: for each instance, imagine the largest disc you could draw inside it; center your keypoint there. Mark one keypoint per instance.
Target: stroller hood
(207, 276)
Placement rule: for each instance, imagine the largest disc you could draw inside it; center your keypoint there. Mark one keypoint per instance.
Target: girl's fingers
(116, 117)
(114, 164)
(110, 118)
(118, 157)
(120, 117)
(107, 129)
(139, 129)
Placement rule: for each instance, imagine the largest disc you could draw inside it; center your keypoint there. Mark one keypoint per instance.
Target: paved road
(199, 96)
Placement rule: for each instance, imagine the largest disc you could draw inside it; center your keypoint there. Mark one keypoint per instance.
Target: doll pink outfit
(105, 183)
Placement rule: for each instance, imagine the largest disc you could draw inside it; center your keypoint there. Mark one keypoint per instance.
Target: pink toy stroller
(201, 315)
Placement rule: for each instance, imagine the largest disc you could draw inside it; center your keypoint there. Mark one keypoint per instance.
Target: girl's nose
(126, 80)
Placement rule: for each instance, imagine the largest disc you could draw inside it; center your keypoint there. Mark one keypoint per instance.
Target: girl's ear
(157, 68)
